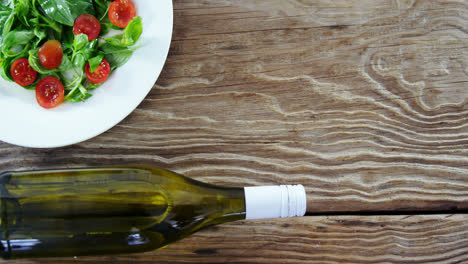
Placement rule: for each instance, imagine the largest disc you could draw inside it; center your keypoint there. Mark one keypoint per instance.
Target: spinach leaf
(66, 11)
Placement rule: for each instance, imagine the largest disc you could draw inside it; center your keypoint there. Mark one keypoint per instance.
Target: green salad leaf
(133, 31)
(95, 61)
(131, 35)
(25, 25)
(116, 56)
(6, 3)
(8, 21)
(16, 41)
(80, 41)
(101, 7)
(40, 34)
(5, 65)
(82, 55)
(66, 11)
(22, 9)
(119, 48)
(35, 63)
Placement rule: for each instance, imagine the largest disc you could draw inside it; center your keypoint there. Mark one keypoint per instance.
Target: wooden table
(361, 101)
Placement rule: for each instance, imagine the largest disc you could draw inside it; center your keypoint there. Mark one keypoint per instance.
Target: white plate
(23, 122)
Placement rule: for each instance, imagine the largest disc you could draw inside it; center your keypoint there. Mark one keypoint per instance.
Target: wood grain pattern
(361, 101)
(324, 240)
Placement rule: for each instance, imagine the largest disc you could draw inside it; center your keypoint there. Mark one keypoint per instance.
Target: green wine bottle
(120, 210)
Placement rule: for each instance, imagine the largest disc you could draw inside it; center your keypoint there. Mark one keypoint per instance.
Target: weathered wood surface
(363, 102)
(321, 240)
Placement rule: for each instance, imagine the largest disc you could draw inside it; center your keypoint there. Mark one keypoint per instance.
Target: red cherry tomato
(22, 72)
(100, 74)
(87, 24)
(121, 12)
(51, 54)
(49, 92)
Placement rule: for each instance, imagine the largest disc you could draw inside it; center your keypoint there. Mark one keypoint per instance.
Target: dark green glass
(106, 211)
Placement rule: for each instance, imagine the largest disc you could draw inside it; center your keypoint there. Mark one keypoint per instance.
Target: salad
(63, 49)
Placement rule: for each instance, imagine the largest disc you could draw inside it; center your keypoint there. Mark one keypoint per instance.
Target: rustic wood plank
(363, 102)
(324, 240)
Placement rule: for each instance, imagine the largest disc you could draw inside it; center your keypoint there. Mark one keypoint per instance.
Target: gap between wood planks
(449, 211)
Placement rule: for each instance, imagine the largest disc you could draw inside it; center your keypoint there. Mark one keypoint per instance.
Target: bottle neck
(275, 201)
(230, 205)
(261, 202)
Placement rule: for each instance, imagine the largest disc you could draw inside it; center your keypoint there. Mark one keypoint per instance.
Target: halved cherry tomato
(49, 92)
(22, 72)
(121, 12)
(51, 54)
(100, 74)
(87, 24)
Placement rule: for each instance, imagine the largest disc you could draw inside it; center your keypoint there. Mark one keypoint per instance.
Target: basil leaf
(6, 3)
(66, 11)
(80, 41)
(133, 32)
(115, 40)
(131, 35)
(116, 56)
(101, 7)
(93, 86)
(8, 23)
(80, 57)
(15, 40)
(5, 65)
(5, 28)
(18, 37)
(39, 19)
(68, 40)
(22, 10)
(35, 63)
(65, 65)
(83, 50)
(40, 35)
(79, 94)
(5, 69)
(94, 62)
(79, 60)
